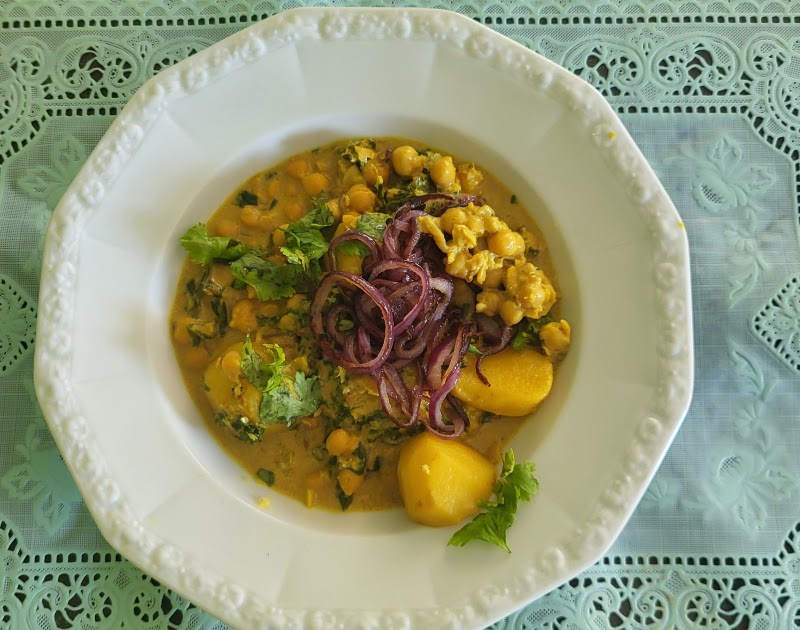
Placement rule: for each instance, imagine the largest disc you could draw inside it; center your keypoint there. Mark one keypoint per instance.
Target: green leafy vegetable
(246, 198)
(241, 427)
(289, 402)
(267, 476)
(204, 248)
(284, 398)
(372, 224)
(270, 280)
(304, 239)
(516, 483)
(264, 375)
(528, 332)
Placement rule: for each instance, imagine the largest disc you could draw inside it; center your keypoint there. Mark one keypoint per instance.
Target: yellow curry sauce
(341, 450)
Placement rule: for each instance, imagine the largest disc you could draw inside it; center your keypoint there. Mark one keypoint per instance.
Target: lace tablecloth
(709, 90)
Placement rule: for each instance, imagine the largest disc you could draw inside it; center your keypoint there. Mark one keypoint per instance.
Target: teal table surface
(710, 91)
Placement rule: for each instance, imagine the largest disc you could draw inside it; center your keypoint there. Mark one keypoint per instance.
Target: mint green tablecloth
(709, 90)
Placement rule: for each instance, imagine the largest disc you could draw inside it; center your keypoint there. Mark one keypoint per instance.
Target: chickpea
(268, 220)
(279, 238)
(406, 161)
(269, 309)
(506, 243)
(511, 312)
(273, 186)
(373, 170)
(226, 227)
(297, 168)
(352, 176)
(243, 316)
(295, 301)
(469, 177)
(361, 199)
(294, 210)
(349, 220)
(336, 211)
(452, 218)
(288, 322)
(315, 183)
(340, 442)
(494, 278)
(443, 172)
(349, 481)
(250, 216)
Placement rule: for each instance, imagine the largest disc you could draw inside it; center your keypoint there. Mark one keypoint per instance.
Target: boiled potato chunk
(441, 481)
(519, 381)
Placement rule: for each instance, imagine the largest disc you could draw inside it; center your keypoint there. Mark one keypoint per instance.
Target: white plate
(157, 484)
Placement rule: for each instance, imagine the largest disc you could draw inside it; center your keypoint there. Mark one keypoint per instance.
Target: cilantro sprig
(285, 398)
(204, 248)
(270, 280)
(516, 483)
(305, 243)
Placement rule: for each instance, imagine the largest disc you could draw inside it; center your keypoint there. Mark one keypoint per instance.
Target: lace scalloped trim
(95, 591)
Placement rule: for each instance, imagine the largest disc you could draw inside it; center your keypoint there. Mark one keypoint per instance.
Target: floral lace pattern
(710, 91)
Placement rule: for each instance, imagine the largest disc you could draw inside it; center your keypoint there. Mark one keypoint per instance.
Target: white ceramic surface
(157, 484)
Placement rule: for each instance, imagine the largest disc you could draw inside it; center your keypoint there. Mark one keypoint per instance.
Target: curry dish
(364, 314)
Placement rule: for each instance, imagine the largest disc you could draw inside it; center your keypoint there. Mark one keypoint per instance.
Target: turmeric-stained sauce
(242, 329)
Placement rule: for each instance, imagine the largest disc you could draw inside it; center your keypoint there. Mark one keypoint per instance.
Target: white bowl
(161, 490)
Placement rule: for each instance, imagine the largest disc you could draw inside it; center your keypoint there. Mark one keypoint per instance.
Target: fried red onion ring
(400, 315)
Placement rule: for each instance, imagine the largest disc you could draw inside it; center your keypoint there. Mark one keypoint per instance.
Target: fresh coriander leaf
(303, 246)
(473, 349)
(516, 483)
(204, 248)
(372, 224)
(270, 280)
(528, 332)
(246, 198)
(304, 240)
(353, 248)
(488, 526)
(267, 476)
(263, 375)
(287, 403)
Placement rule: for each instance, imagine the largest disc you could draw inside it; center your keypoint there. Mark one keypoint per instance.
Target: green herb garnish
(528, 332)
(305, 242)
(284, 398)
(270, 280)
(204, 248)
(291, 401)
(245, 198)
(516, 483)
(267, 476)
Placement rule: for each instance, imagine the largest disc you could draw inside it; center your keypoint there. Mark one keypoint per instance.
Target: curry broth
(295, 457)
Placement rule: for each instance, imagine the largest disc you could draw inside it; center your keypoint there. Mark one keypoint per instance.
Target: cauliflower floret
(530, 288)
(555, 338)
(527, 291)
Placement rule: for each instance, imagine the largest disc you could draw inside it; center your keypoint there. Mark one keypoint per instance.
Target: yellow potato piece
(519, 381)
(441, 481)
